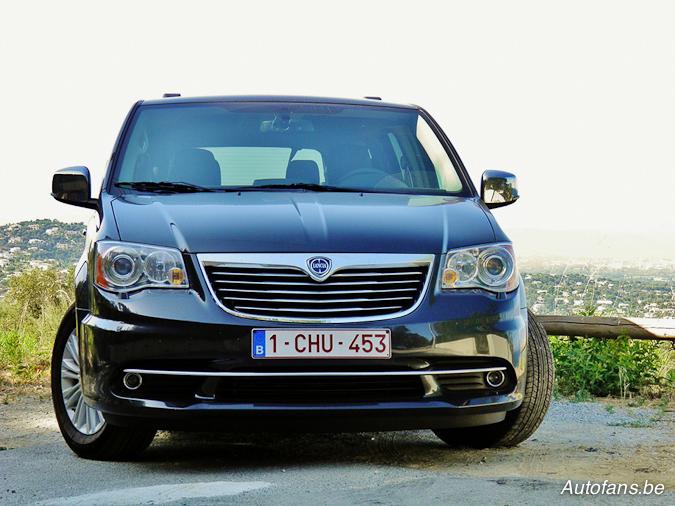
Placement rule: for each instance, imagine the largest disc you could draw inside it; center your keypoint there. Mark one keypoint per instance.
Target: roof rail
(373, 98)
(171, 95)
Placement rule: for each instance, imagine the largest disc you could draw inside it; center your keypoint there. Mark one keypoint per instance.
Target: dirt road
(577, 441)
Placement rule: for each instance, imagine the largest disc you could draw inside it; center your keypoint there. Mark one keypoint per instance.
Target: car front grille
(288, 293)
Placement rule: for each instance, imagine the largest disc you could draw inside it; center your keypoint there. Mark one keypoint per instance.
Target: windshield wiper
(179, 187)
(305, 186)
(164, 187)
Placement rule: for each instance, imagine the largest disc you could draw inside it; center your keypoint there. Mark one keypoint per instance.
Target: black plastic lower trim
(313, 420)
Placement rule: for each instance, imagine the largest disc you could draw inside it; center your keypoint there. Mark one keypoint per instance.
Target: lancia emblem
(319, 267)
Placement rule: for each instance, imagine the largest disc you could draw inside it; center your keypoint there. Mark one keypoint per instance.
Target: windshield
(285, 145)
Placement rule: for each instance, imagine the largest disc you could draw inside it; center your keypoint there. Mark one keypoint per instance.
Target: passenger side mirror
(498, 188)
(73, 186)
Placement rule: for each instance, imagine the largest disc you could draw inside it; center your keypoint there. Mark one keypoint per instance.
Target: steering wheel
(366, 177)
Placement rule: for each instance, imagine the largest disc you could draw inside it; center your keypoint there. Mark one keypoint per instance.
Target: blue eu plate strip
(258, 344)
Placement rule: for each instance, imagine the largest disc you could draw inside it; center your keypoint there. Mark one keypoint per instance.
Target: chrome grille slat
(306, 310)
(323, 292)
(266, 274)
(327, 301)
(376, 274)
(245, 266)
(325, 283)
(299, 273)
(357, 287)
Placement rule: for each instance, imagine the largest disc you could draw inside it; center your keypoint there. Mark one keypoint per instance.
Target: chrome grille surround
(396, 282)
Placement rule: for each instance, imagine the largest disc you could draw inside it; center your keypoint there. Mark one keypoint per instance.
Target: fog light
(495, 378)
(132, 380)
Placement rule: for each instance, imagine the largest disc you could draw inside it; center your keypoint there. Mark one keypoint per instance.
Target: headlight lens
(123, 267)
(489, 267)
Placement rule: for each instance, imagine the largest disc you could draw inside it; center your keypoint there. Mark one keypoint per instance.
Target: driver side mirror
(73, 186)
(498, 188)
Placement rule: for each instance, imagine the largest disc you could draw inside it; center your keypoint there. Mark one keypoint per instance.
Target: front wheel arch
(109, 442)
(520, 423)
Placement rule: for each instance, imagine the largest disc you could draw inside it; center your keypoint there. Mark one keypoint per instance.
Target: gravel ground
(577, 441)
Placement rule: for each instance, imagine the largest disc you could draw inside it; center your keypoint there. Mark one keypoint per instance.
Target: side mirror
(73, 186)
(498, 188)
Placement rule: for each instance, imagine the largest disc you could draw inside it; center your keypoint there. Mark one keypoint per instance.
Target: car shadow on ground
(245, 450)
(556, 452)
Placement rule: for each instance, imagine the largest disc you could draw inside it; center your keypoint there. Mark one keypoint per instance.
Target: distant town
(38, 244)
(605, 287)
(600, 288)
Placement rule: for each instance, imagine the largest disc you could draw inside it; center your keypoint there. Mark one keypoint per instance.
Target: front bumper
(164, 330)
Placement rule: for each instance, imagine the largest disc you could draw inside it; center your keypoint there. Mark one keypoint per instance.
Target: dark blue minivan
(284, 263)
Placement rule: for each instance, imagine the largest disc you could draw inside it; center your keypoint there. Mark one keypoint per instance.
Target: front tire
(84, 428)
(523, 421)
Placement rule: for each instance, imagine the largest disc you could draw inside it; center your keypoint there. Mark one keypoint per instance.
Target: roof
(277, 98)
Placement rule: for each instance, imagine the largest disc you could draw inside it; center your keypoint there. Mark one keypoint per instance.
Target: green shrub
(36, 290)
(30, 314)
(617, 367)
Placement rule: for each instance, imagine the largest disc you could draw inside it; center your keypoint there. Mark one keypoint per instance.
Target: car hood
(307, 222)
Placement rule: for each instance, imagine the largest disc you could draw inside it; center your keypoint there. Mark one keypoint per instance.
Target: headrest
(195, 166)
(304, 171)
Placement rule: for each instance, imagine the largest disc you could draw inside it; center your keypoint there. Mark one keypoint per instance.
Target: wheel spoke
(87, 418)
(71, 365)
(71, 395)
(72, 350)
(78, 397)
(70, 375)
(96, 417)
(78, 413)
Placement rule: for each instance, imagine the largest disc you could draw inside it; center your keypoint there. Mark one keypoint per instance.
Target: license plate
(321, 343)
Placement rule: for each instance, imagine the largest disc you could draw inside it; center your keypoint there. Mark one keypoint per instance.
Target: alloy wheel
(84, 418)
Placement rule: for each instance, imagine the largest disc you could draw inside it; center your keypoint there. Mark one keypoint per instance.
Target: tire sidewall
(539, 376)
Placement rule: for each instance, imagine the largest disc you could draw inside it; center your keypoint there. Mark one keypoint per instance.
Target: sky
(577, 98)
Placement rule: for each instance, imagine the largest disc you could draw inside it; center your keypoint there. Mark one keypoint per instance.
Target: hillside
(553, 286)
(38, 244)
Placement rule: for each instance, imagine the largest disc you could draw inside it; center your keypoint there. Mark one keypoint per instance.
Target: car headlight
(124, 267)
(491, 267)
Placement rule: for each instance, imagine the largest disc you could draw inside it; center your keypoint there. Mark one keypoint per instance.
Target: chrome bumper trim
(225, 374)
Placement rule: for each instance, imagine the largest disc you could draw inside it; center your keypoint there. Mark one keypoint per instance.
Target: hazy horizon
(575, 98)
(560, 245)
